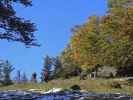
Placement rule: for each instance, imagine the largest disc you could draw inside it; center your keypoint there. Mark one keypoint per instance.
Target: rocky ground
(70, 89)
(74, 95)
(19, 95)
(64, 95)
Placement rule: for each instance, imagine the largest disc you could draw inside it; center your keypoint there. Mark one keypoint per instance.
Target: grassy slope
(97, 85)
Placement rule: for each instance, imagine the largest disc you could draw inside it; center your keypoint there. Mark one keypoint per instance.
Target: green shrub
(75, 87)
(116, 85)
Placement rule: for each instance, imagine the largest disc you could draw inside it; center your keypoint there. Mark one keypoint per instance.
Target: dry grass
(90, 85)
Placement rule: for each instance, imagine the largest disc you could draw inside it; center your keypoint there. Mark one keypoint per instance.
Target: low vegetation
(89, 85)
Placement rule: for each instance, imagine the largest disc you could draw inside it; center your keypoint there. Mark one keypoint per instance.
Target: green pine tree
(6, 69)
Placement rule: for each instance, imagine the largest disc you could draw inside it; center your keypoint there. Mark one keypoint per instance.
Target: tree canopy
(13, 28)
(105, 40)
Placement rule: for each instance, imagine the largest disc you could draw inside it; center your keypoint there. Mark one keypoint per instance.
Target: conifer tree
(6, 69)
(46, 71)
(13, 28)
(24, 78)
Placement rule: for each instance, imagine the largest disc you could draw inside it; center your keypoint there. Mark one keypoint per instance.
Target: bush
(83, 75)
(125, 71)
(67, 72)
(116, 85)
(75, 87)
(130, 81)
(6, 83)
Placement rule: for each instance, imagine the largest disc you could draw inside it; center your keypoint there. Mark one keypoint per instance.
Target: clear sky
(54, 20)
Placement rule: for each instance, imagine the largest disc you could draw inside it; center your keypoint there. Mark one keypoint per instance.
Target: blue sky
(54, 20)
